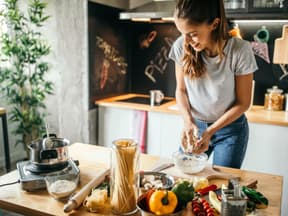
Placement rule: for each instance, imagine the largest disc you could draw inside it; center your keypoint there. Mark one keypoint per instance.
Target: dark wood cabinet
(256, 9)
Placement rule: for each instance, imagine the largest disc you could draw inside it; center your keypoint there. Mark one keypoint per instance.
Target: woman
(214, 76)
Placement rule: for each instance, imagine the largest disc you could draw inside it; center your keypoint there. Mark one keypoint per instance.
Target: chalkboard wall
(150, 66)
(108, 65)
(141, 50)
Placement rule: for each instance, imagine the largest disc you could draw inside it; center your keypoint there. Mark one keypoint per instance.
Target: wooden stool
(5, 138)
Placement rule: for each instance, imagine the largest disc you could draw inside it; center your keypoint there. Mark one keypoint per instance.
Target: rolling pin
(76, 200)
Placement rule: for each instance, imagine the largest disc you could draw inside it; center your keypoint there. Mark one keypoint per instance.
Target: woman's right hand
(189, 137)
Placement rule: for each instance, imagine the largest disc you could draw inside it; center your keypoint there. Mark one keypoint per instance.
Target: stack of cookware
(48, 156)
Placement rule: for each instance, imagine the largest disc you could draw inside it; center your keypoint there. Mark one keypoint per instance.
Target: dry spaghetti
(124, 176)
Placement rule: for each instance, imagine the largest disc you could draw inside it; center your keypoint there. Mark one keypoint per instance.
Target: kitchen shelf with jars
(256, 9)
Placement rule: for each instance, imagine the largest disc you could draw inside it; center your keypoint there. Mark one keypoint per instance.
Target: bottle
(124, 177)
(274, 99)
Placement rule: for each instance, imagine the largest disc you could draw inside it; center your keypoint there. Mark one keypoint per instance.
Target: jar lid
(274, 90)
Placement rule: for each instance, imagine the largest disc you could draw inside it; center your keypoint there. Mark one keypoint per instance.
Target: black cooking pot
(56, 153)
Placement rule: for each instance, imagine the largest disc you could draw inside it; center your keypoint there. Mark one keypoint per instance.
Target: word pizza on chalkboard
(159, 63)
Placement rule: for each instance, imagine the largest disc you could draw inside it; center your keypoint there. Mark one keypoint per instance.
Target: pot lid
(274, 90)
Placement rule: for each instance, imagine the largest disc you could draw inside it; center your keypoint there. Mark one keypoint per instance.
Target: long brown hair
(198, 12)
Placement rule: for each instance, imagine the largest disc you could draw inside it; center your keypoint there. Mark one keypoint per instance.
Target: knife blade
(162, 167)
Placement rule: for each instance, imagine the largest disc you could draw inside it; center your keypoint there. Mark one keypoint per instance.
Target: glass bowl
(62, 185)
(190, 163)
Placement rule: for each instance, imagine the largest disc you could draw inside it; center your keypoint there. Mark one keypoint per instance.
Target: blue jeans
(229, 143)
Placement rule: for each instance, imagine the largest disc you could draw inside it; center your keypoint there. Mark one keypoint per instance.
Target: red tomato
(148, 196)
(202, 200)
(196, 210)
(206, 207)
(210, 210)
(196, 205)
(219, 197)
(205, 204)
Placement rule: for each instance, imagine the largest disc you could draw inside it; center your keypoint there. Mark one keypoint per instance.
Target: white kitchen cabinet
(267, 152)
(164, 133)
(114, 123)
(163, 130)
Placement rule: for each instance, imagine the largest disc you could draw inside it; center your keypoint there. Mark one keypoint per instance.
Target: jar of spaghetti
(124, 177)
(274, 99)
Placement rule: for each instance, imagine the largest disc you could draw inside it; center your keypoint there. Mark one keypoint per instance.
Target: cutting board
(281, 48)
(209, 172)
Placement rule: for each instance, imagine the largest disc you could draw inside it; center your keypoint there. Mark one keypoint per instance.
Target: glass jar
(274, 99)
(286, 102)
(124, 177)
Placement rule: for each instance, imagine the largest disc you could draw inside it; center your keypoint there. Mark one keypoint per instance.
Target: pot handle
(50, 135)
(48, 154)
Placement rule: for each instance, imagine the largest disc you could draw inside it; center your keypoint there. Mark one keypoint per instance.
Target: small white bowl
(61, 186)
(190, 163)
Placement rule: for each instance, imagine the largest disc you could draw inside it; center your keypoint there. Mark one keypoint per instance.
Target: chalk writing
(159, 63)
(112, 54)
(284, 70)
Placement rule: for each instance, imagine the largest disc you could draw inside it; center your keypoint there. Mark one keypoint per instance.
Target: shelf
(264, 16)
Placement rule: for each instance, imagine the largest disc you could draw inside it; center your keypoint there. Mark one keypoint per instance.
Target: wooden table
(94, 158)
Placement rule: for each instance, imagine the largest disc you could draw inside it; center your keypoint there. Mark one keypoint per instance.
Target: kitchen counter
(256, 114)
(93, 159)
(114, 102)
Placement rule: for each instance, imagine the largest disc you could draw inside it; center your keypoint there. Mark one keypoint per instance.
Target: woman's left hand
(202, 144)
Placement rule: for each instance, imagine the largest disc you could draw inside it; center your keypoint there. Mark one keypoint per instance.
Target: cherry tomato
(202, 200)
(210, 214)
(148, 195)
(219, 197)
(205, 204)
(196, 210)
(210, 210)
(206, 207)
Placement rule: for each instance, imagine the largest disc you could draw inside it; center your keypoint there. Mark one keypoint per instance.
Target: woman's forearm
(184, 105)
(228, 117)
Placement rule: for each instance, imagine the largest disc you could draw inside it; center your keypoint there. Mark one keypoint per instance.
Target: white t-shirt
(213, 93)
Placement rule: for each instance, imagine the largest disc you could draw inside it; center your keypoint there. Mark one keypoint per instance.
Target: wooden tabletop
(93, 159)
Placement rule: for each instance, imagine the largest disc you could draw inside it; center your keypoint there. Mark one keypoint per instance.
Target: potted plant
(23, 68)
